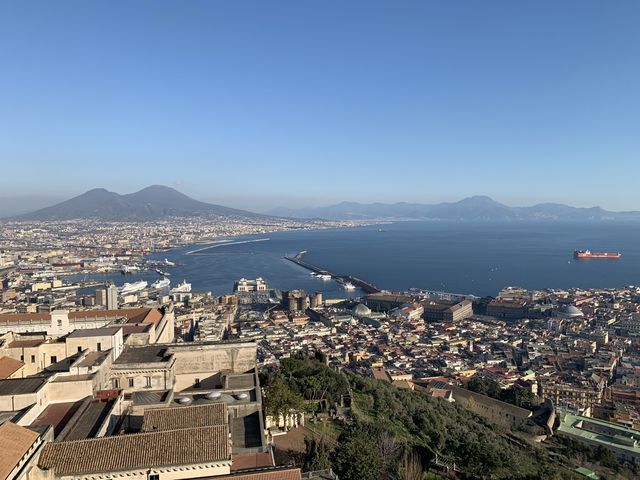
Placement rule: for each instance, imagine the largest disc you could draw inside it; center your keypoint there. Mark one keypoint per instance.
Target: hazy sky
(267, 103)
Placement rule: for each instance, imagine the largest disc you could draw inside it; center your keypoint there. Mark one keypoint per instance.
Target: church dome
(361, 310)
(570, 311)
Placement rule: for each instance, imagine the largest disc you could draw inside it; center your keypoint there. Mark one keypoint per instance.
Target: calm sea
(476, 258)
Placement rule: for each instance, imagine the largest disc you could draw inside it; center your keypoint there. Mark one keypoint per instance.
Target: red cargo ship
(589, 254)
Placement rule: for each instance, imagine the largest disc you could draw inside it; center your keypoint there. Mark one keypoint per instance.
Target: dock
(365, 286)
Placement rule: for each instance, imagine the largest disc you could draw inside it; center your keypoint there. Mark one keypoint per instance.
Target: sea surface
(471, 258)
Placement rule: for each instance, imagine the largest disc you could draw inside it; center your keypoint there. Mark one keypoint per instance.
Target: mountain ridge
(150, 203)
(477, 207)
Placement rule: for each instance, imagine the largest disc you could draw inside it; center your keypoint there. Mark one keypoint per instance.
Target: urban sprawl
(89, 368)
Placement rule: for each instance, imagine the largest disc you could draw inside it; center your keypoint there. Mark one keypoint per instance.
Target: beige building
(143, 368)
(20, 449)
(442, 311)
(27, 398)
(244, 285)
(180, 366)
(62, 322)
(96, 340)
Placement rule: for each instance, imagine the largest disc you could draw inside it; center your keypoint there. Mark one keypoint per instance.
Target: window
(131, 382)
(59, 322)
(154, 476)
(196, 383)
(79, 349)
(22, 358)
(33, 359)
(148, 382)
(54, 359)
(115, 383)
(99, 347)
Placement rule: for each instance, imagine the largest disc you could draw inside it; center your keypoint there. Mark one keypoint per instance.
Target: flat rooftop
(146, 354)
(73, 378)
(609, 434)
(57, 414)
(246, 431)
(21, 386)
(88, 421)
(94, 332)
(93, 359)
(240, 381)
(150, 397)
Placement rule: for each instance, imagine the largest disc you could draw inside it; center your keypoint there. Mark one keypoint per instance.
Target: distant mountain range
(157, 201)
(150, 203)
(475, 208)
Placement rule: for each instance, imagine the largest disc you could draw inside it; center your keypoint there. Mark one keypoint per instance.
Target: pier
(358, 282)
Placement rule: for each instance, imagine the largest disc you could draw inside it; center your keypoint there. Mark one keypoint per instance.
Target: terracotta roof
(25, 343)
(133, 315)
(277, 474)
(245, 461)
(159, 419)
(153, 316)
(94, 332)
(15, 441)
(9, 366)
(12, 318)
(57, 414)
(135, 451)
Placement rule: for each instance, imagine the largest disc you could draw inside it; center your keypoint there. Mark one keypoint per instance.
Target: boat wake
(224, 244)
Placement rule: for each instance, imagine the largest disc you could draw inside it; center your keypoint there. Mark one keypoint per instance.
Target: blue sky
(257, 104)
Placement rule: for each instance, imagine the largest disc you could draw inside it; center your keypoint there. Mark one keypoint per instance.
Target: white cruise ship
(164, 283)
(132, 287)
(184, 287)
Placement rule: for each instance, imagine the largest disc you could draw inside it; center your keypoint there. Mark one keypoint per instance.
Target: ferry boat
(160, 284)
(184, 287)
(132, 287)
(588, 254)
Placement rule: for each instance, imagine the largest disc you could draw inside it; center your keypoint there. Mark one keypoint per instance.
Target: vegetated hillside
(390, 431)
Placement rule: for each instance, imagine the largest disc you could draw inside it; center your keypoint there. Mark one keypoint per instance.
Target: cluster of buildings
(577, 349)
(81, 364)
(111, 394)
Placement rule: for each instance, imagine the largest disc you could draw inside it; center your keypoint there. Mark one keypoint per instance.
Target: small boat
(348, 286)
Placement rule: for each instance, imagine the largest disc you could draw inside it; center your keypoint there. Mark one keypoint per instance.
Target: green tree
(316, 456)
(281, 399)
(355, 458)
